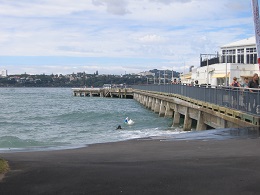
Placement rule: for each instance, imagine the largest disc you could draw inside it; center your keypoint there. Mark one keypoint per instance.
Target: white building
(237, 59)
(4, 73)
(146, 73)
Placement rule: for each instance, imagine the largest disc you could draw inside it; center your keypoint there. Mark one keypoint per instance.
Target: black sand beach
(139, 167)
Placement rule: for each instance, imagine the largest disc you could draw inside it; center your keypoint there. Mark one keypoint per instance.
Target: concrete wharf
(206, 115)
(103, 92)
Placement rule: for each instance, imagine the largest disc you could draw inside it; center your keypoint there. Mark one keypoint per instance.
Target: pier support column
(162, 108)
(125, 92)
(143, 100)
(168, 111)
(200, 123)
(222, 123)
(134, 96)
(146, 101)
(119, 93)
(138, 97)
(176, 117)
(187, 121)
(157, 106)
(153, 104)
(150, 100)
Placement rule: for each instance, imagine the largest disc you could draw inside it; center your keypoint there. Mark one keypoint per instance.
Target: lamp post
(226, 84)
(164, 77)
(207, 69)
(172, 76)
(159, 77)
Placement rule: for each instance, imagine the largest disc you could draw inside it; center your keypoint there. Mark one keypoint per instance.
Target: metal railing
(243, 99)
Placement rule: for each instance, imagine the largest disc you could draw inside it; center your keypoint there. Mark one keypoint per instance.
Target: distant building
(4, 73)
(146, 73)
(107, 86)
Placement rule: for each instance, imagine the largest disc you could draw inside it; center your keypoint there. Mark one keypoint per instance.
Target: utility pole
(164, 77)
(159, 77)
(226, 82)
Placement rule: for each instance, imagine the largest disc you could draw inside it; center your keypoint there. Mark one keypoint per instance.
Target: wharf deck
(104, 92)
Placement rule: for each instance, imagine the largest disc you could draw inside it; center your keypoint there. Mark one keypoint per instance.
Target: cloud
(162, 30)
(171, 1)
(152, 38)
(113, 6)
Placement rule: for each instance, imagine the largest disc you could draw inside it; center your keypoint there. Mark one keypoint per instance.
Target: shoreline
(140, 166)
(207, 135)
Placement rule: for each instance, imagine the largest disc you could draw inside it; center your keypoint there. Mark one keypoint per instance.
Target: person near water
(254, 101)
(245, 93)
(235, 94)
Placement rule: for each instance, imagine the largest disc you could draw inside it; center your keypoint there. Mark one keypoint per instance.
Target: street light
(226, 84)
(164, 77)
(159, 77)
(207, 70)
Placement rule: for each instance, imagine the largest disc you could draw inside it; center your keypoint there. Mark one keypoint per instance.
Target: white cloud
(151, 38)
(171, 1)
(167, 30)
(113, 6)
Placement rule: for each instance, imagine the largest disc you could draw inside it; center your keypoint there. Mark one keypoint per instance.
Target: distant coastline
(82, 79)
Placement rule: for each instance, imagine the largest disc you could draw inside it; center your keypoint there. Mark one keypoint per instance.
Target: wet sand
(141, 166)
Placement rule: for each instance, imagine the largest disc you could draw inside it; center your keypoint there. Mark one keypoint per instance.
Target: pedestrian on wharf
(245, 93)
(254, 94)
(234, 92)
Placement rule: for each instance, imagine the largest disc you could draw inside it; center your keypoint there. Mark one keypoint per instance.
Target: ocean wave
(16, 142)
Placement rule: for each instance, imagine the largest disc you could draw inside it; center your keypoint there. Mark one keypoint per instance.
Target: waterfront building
(236, 59)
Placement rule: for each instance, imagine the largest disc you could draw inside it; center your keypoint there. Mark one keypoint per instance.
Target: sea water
(36, 119)
(51, 118)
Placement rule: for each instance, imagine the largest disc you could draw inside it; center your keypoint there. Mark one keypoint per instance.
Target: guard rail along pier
(208, 106)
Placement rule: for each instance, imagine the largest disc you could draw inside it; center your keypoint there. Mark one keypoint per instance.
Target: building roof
(244, 42)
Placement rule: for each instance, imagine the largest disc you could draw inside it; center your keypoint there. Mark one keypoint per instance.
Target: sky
(116, 36)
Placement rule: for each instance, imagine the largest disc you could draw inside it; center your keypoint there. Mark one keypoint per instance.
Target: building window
(251, 56)
(240, 51)
(229, 56)
(250, 50)
(240, 59)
